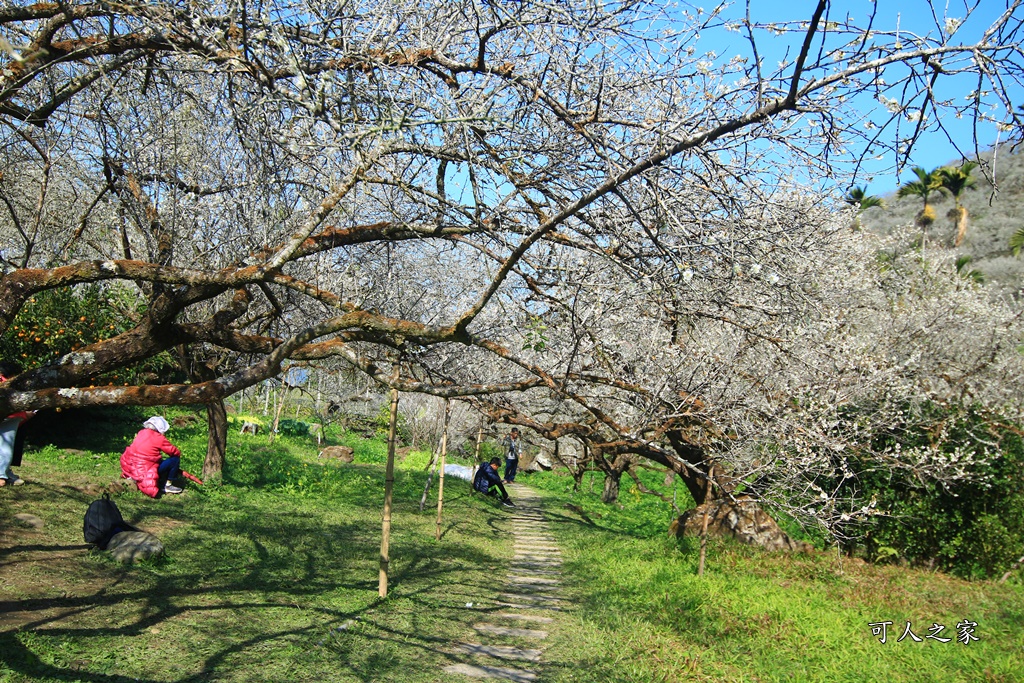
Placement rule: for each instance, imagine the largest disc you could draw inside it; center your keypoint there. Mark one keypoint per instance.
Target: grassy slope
(272, 577)
(644, 615)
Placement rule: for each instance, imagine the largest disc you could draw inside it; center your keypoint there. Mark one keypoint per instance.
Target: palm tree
(926, 183)
(858, 197)
(1017, 241)
(955, 181)
(964, 270)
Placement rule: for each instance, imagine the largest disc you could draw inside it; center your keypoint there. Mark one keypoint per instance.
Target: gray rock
(499, 672)
(539, 462)
(499, 651)
(29, 520)
(512, 632)
(130, 546)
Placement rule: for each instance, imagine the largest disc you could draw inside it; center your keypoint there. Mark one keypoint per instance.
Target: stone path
(510, 638)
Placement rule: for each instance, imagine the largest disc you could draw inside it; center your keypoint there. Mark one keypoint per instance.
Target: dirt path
(510, 641)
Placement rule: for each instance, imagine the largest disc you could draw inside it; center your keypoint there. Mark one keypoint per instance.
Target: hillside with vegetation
(995, 213)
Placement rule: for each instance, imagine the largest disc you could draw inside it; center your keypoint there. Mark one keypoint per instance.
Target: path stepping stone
(525, 594)
(515, 675)
(499, 651)
(519, 605)
(534, 601)
(510, 632)
(525, 617)
(549, 560)
(534, 578)
(543, 589)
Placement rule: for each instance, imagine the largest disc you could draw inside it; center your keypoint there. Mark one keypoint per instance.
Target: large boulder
(742, 519)
(130, 546)
(538, 462)
(340, 453)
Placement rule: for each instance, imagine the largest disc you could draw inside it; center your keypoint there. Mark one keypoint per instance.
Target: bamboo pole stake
(430, 480)
(389, 485)
(444, 452)
(278, 409)
(704, 526)
(479, 438)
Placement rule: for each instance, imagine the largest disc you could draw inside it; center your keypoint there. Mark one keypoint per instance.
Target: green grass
(271, 575)
(644, 615)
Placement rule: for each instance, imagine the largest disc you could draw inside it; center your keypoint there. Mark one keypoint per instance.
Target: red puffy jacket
(142, 458)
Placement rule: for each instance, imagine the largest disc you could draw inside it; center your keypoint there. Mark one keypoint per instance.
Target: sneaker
(508, 503)
(171, 488)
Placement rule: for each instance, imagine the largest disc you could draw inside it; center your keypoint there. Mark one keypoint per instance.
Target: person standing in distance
(511, 444)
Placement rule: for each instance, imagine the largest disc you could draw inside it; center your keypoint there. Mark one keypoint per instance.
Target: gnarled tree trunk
(742, 519)
(216, 439)
(611, 486)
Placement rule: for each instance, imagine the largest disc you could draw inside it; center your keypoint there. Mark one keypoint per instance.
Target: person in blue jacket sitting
(488, 481)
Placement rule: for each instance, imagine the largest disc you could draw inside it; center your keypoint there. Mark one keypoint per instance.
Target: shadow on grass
(251, 571)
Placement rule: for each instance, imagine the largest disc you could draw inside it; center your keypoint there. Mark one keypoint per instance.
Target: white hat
(157, 423)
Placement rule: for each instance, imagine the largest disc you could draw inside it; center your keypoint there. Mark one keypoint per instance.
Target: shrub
(382, 422)
(293, 427)
(974, 527)
(58, 321)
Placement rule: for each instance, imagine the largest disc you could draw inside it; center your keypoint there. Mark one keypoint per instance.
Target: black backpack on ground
(102, 521)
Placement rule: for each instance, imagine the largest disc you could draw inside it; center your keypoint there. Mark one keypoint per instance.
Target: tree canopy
(576, 202)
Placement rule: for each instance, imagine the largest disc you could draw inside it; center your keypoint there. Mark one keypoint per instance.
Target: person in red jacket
(142, 460)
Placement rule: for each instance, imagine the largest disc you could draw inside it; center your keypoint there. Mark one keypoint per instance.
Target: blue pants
(170, 468)
(511, 465)
(8, 434)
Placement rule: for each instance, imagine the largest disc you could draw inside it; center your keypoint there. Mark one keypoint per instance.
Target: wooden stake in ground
(479, 438)
(430, 480)
(389, 485)
(704, 528)
(278, 409)
(444, 452)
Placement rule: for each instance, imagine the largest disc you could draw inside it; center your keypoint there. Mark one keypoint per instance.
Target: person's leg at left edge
(8, 433)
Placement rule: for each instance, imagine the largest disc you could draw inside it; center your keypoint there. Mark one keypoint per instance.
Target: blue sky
(917, 16)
